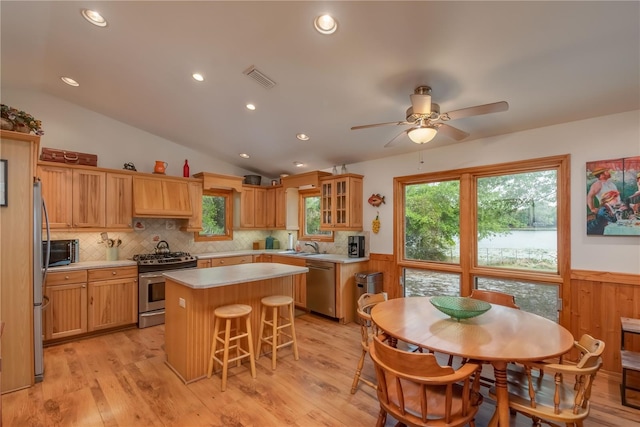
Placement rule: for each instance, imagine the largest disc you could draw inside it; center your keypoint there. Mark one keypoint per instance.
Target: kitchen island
(192, 295)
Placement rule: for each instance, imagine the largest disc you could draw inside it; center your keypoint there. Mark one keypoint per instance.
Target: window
(309, 217)
(503, 227)
(217, 215)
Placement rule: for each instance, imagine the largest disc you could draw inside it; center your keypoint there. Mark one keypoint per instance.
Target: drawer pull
(114, 272)
(66, 277)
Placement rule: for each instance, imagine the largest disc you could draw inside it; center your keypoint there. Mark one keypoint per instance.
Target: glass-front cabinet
(341, 202)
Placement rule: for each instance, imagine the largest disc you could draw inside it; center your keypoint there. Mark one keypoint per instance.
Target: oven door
(150, 292)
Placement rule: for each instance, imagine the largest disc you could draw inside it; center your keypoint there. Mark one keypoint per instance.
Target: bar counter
(192, 295)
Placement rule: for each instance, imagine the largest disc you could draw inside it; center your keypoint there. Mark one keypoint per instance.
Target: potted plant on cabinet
(19, 121)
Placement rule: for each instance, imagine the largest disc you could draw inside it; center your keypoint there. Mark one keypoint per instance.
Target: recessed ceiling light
(251, 107)
(69, 81)
(325, 24)
(298, 164)
(302, 136)
(198, 77)
(244, 155)
(94, 17)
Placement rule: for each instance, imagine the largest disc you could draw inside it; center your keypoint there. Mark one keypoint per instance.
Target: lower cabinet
(300, 283)
(220, 262)
(82, 301)
(65, 314)
(112, 297)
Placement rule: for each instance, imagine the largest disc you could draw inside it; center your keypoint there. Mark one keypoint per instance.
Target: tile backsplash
(144, 241)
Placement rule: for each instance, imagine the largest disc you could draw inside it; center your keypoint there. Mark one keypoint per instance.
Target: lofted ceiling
(553, 62)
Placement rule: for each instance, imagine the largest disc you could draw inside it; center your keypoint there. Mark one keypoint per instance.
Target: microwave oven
(62, 252)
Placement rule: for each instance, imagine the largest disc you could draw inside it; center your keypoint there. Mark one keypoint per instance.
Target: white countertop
(340, 259)
(84, 265)
(204, 278)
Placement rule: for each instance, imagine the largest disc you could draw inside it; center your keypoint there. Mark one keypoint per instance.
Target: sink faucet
(314, 245)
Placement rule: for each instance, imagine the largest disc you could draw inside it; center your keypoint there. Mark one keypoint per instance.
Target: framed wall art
(3, 182)
(613, 197)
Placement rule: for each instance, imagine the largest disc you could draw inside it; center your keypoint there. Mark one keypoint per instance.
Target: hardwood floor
(121, 380)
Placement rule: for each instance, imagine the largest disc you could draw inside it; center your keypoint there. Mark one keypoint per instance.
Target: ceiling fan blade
(478, 110)
(380, 124)
(396, 139)
(452, 132)
(421, 103)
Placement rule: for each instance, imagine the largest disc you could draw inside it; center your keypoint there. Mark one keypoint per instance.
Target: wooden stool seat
(231, 313)
(278, 338)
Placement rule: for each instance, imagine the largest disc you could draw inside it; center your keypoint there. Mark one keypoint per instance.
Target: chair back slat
(495, 297)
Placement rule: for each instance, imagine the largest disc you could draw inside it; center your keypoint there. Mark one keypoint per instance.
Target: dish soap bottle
(185, 169)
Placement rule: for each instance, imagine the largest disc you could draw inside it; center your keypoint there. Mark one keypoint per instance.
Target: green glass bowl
(460, 307)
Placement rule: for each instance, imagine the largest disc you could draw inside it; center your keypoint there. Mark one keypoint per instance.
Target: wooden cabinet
(161, 197)
(57, 192)
(65, 314)
(20, 150)
(112, 297)
(341, 202)
(86, 198)
(194, 222)
(300, 282)
(253, 207)
(82, 301)
(220, 262)
(89, 189)
(276, 208)
(118, 201)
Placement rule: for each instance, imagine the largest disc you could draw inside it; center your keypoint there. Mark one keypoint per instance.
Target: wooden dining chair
(415, 390)
(368, 330)
(556, 393)
(495, 297)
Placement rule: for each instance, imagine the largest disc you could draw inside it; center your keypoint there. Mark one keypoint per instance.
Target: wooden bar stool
(229, 313)
(274, 303)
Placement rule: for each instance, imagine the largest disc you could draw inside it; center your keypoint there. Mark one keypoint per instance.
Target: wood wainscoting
(598, 300)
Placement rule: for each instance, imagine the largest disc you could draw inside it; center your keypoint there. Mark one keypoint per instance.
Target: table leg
(501, 416)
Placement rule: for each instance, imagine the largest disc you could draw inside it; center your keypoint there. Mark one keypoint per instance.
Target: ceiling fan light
(422, 135)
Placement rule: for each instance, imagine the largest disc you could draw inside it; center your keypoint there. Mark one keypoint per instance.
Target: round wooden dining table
(499, 336)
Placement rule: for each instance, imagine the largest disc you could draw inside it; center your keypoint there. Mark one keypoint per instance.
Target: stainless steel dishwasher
(321, 287)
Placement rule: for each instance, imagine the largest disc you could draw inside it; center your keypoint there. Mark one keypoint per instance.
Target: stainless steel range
(151, 283)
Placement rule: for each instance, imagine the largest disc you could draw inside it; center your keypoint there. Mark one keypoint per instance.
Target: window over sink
(309, 217)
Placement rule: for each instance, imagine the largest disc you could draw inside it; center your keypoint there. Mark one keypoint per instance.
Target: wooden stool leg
(293, 332)
(225, 357)
(274, 338)
(252, 360)
(263, 317)
(356, 377)
(216, 330)
(238, 361)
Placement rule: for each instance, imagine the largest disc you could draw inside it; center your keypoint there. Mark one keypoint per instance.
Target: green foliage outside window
(213, 216)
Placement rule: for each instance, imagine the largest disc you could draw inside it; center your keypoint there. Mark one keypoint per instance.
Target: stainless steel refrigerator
(40, 263)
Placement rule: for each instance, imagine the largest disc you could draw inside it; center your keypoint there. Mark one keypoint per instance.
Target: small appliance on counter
(61, 252)
(355, 246)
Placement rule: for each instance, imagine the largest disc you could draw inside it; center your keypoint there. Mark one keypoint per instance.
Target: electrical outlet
(170, 224)
(182, 303)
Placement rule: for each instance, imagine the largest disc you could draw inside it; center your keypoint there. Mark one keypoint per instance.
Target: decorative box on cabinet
(341, 202)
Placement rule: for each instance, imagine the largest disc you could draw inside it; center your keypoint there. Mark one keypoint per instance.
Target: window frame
(228, 217)
(468, 268)
(302, 195)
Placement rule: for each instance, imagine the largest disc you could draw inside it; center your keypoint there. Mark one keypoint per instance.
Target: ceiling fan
(427, 120)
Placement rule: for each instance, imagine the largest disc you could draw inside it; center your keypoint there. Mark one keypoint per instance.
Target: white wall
(71, 127)
(68, 126)
(607, 137)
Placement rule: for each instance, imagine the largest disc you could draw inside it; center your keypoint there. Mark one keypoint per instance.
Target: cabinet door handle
(114, 272)
(84, 286)
(91, 302)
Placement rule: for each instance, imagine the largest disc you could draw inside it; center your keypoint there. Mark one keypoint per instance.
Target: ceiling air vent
(259, 77)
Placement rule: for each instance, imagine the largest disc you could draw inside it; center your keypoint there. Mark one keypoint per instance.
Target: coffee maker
(356, 246)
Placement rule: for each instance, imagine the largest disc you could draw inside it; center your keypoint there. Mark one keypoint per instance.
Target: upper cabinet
(161, 197)
(75, 198)
(341, 202)
(119, 210)
(194, 222)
